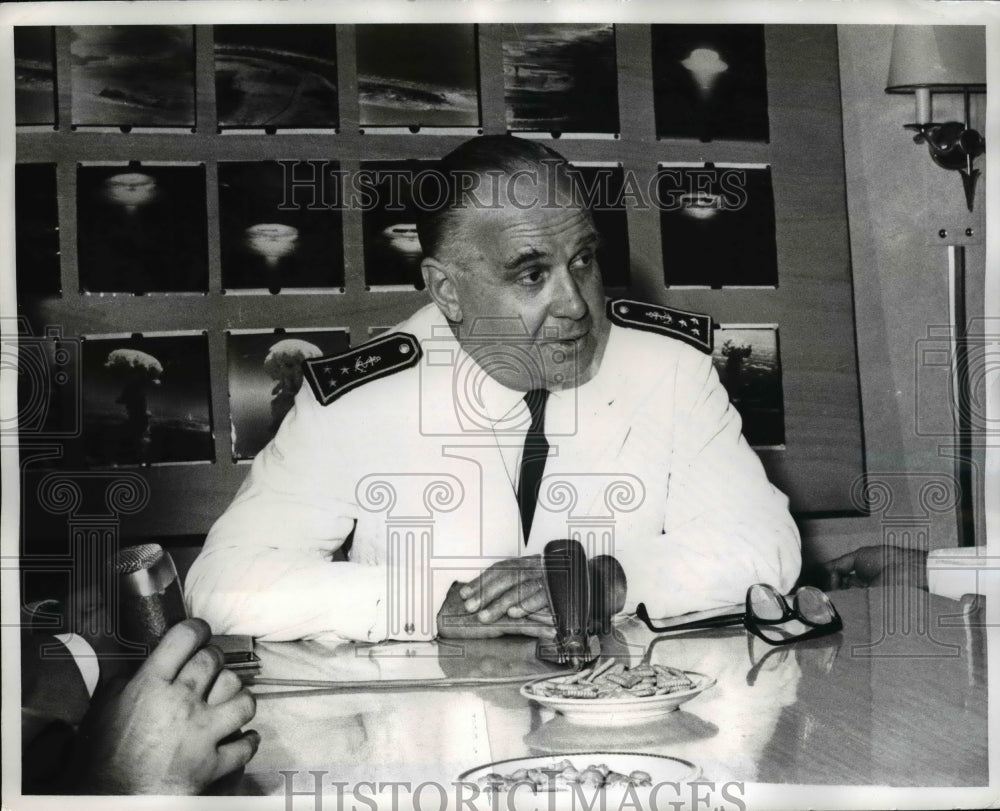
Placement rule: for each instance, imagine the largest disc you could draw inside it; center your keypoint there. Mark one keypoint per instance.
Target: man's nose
(567, 301)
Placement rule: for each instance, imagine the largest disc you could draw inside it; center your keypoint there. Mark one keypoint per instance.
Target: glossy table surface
(898, 698)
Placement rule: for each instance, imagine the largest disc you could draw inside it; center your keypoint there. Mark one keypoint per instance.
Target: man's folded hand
(507, 598)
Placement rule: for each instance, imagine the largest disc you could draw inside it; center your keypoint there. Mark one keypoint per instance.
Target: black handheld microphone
(607, 592)
(150, 599)
(567, 582)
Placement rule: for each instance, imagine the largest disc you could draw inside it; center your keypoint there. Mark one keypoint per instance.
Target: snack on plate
(609, 680)
(562, 775)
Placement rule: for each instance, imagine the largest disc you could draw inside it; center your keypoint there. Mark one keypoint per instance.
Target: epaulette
(692, 328)
(334, 375)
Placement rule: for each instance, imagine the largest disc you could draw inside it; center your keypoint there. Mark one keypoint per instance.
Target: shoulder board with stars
(692, 328)
(334, 375)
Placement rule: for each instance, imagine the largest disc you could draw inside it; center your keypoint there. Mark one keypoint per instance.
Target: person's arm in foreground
(874, 566)
(172, 728)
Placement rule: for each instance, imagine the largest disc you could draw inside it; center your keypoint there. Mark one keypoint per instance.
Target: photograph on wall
(146, 400)
(710, 82)
(418, 75)
(749, 365)
(36, 230)
(391, 247)
(603, 186)
(276, 76)
(132, 75)
(560, 77)
(34, 75)
(142, 228)
(265, 374)
(717, 226)
(276, 235)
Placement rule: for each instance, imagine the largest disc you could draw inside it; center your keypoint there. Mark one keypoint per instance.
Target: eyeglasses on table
(769, 616)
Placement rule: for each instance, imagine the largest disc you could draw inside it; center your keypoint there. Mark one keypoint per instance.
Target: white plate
(661, 769)
(616, 711)
(560, 735)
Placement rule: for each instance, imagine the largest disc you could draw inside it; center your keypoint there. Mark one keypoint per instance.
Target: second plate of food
(602, 780)
(618, 697)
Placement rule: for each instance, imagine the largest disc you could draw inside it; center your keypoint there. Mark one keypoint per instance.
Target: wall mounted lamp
(929, 59)
(939, 59)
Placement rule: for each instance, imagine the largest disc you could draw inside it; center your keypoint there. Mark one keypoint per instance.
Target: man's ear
(438, 279)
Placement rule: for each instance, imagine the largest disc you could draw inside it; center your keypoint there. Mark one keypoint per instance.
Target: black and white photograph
(274, 236)
(417, 75)
(146, 400)
(528, 406)
(392, 250)
(717, 226)
(142, 228)
(560, 78)
(276, 76)
(132, 76)
(749, 366)
(34, 75)
(265, 374)
(36, 229)
(710, 82)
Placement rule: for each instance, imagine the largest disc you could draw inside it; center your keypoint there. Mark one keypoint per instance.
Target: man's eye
(583, 261)
(531, 277)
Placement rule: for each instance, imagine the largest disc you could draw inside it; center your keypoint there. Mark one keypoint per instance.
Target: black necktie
(536, 448)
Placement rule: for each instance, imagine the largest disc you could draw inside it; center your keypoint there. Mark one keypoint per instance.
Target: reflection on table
(897, 698)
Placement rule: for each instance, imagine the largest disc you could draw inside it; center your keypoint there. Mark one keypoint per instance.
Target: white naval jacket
(646, 462)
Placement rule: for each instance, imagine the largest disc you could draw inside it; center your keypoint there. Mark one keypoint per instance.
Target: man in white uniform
(420, 444)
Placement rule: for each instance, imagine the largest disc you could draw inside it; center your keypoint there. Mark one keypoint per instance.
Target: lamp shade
(944, 58)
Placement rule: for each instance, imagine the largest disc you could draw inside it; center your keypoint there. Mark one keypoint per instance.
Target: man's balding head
(487, 171)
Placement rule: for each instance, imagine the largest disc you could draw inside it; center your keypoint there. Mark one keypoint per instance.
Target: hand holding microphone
(174, 727)
(150, 599)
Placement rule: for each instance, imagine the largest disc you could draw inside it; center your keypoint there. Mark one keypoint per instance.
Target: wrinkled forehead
(553, 228)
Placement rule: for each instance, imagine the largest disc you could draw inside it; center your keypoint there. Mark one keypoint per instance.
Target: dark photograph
(146, 400)
(275, 76)
(418, 75)
(749, 366)
(34, 75)
(717, 226)
(142, 228)
(265, 374)
(392, 249)
(560, 78)
(36, 230)
(48, 403)
(133, 75)
(273, 243)
(710, 81)
(603, 186)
